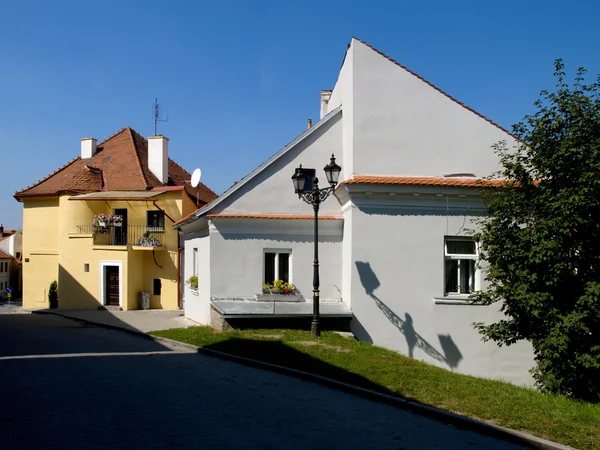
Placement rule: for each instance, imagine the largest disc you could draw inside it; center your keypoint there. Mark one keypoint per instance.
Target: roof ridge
(47, 177)
(487, 119)
(112, 136)
(137, 154)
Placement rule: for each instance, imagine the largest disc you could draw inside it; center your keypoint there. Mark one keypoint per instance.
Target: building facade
(394, 242)
(101, 226)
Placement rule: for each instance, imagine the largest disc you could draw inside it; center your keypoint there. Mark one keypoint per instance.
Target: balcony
(139, 237)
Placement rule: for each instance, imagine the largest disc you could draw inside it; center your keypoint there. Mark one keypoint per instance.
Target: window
(277, 265)
(156, 221)
(460, 266)
(195, 262)
(18, 255)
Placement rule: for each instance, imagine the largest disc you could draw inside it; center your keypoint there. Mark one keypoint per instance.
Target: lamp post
(306, 185)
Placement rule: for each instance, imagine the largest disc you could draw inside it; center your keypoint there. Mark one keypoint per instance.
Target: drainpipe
(179, 299)
(163, 211)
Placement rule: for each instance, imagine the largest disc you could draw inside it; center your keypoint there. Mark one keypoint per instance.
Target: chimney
(88, 147)
(158, 157)
(1, 230)
(309, 124)
(325, 96)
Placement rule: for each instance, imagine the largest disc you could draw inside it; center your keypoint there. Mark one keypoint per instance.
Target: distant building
(101, 226)
(10, 246)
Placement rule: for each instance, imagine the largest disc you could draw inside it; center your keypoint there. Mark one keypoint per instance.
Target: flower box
(278, 297)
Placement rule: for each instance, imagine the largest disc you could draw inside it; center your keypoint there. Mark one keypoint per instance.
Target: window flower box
(279, 291)
(102, 222)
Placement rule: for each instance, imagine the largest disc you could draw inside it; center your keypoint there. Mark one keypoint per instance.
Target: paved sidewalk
(140, 321)
(14, 307)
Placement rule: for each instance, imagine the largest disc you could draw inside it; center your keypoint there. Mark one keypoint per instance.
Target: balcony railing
(140, 235)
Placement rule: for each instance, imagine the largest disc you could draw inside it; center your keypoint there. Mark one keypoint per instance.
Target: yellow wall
(40, 250)
(51, 227)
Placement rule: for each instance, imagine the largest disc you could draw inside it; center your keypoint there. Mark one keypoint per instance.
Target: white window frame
(277, 252)
(458, 257)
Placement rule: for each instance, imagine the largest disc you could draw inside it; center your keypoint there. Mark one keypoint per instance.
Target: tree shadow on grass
(278, 353)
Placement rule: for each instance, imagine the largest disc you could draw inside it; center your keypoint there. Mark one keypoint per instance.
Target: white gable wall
(343, 95)
(405, 127)
(272, 192)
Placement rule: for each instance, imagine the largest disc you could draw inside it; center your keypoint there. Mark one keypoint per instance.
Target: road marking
(81, 355)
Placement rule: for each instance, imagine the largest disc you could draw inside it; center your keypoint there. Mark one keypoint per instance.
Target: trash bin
(145, 300)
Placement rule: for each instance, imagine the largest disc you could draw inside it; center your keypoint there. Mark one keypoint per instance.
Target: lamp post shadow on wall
(306, 185)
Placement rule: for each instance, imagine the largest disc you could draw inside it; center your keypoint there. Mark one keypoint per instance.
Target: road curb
(449, 418)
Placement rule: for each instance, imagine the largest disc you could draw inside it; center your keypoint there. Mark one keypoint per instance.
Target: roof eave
(200, 212)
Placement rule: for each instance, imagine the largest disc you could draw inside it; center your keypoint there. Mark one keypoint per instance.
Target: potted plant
(193, 282)
(148, 241)
(102, 221)
(53, 295)
(279, 291)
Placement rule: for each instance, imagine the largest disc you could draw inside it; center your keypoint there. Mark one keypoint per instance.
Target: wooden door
(112, 285)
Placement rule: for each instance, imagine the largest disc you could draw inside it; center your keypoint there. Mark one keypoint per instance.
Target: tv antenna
(157, 116)
(196, 183)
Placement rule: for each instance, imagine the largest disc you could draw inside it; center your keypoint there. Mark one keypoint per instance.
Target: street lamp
(306, 185)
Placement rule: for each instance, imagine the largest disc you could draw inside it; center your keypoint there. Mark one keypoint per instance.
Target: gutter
(163, 211)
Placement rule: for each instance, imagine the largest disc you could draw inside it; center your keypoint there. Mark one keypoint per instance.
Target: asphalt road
(65, 385)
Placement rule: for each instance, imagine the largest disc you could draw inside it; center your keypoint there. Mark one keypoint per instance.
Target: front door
(111, 291)
(120, 233)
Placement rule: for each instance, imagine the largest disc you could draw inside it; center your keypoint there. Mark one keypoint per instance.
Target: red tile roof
(120, 164)
(436, 88)
(4, 255)
(424, 181)
(272, 216)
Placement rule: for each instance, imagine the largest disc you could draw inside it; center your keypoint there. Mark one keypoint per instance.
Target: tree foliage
(541, 239)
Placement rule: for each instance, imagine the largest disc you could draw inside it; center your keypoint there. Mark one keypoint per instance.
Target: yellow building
(101, 226)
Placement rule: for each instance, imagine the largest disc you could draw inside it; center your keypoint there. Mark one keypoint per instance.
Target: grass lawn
(552, 417)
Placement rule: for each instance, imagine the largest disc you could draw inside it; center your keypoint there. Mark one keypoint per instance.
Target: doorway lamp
(306, 185)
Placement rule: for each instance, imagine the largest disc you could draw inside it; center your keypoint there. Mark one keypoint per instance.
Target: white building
(10, 259)
(393, 246)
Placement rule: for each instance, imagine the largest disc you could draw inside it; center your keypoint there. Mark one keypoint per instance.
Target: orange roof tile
(272, 216)
(120, 164)
(4, 255)
(424, 181)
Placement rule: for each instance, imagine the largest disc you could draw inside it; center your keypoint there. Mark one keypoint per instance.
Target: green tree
(541, 239)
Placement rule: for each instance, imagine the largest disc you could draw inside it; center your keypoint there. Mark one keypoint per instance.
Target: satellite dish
(196, 177)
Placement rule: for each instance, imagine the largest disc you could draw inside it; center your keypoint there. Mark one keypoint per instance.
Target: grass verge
(551, 417)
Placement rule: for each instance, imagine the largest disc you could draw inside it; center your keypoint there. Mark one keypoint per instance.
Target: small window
(195, 262)
(277, 266)
(86, 267)
(460, 266)
(18, 255)
(156, 221)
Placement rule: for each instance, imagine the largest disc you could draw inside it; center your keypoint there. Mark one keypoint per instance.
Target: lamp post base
(315, 327)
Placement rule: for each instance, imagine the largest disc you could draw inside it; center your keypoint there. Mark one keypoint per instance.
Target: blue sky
(239, 79)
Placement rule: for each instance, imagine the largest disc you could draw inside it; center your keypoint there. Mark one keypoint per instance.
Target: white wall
(397, 270)
(413, 129)
(237, 248)
(343, 95)
(12, 244)
(271, 191)
(196, 304)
